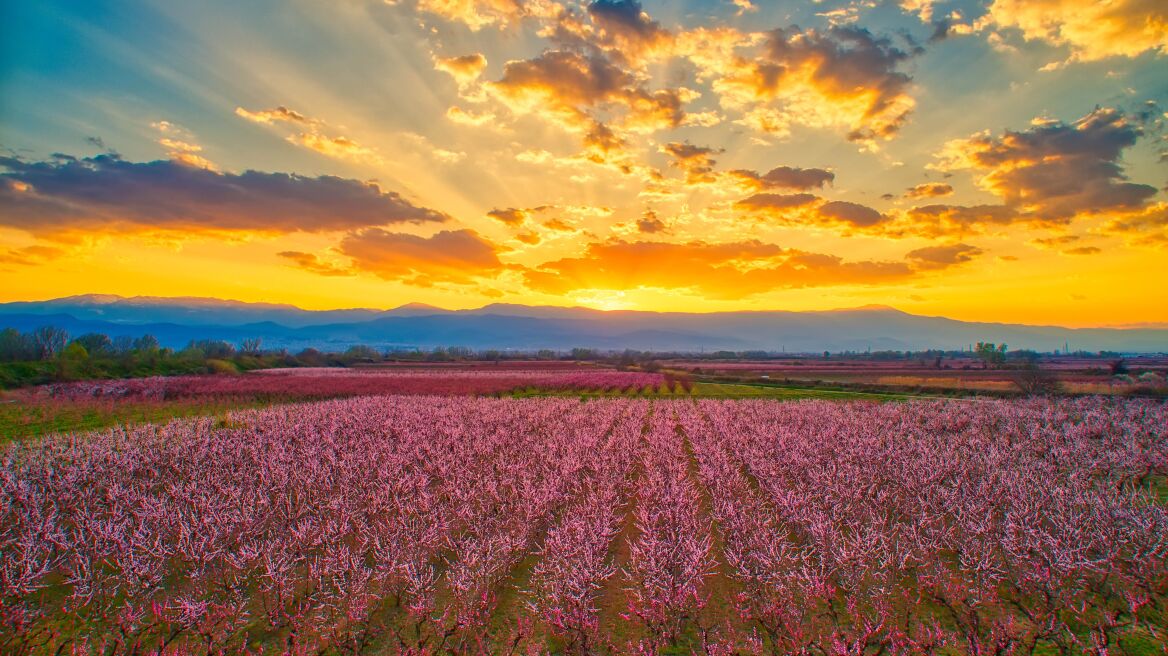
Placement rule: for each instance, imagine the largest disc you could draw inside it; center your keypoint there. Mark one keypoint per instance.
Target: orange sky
(996, 161)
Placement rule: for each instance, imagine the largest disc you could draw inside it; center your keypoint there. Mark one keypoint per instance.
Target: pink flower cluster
(315, 383)
(427, 525)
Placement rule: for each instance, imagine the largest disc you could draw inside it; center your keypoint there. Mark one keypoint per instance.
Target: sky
(994, 161)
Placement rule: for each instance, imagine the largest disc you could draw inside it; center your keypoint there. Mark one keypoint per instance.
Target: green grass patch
(23, 420)
(764, 391)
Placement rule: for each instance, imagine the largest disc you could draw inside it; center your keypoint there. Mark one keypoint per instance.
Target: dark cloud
(938, 219)
(1054, 170)
(625, 18)
(696, 161)
(807, 209)
(855, 214)
(650, 224)
(786, 177)
(940, 257)
(511, 216)
(108, 193)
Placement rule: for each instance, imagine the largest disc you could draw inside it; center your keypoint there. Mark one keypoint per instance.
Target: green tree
(990, 353)
(15, 346)
(96, 344)
(146, 344)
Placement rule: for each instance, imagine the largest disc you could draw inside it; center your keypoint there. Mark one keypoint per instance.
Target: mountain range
(177, 320)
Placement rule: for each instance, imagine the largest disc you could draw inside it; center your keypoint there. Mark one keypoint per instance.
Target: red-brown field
(1075, 375)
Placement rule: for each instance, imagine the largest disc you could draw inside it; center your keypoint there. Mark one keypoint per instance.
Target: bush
(221, 367)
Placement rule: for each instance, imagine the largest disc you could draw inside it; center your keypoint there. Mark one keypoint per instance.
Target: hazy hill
(177, 320)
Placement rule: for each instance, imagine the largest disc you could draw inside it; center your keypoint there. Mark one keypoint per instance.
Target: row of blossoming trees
(428, 525)
(321, 382)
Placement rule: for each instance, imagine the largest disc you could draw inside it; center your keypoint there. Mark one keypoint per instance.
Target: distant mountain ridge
(177, 320)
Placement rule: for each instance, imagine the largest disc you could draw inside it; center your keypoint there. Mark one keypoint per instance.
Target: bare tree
(1034, 381)
(49, 341)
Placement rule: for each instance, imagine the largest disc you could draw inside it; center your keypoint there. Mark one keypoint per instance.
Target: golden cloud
(339, 147)
(314, 264)
(570, 89)
(181, 147)
(269, 116)
(477, 14)
(31, 255)
(1091, 30)
(335, 147)
(929, 190)
(625, 30)
(450, 256)
(465, 68)
(842, 77)
(719, 271)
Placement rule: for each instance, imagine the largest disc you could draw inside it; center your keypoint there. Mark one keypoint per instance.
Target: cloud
(465, 68)
(107, 193)
(1054, 170)
(775, 202)
(559, 84)
(566, 87)
(338, 147)
(180, 145)
(1052, 242)
(30, 255)
(335, 147)
(940, 257)
(477, 14)
(1148, 226)
(860, 216)
(1091, 30)
(929, 190)
(922, 8)
(1083, 250)
(511, 216)
(695, 161)
(650, 224)
(559, 225)
(463, 117)
(939, 219)
(804, 209)
(785, 177)
(450, 256)
(841, 77)
(280, 114)
(314, 264)
(719, 271)
(625, 28)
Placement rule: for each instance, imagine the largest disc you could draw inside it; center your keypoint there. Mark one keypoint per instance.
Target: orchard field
(470, 525)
